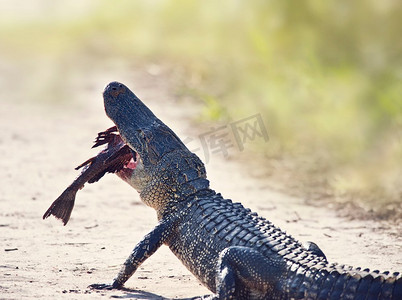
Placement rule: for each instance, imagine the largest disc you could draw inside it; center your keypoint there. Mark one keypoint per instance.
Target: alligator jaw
(129, 168)
(133, 171)
(139, 128)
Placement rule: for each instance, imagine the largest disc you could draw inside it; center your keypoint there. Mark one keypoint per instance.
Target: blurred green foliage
(325, 75)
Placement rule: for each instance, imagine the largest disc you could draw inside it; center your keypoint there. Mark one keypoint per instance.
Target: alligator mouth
(127, 159)
(132, 164)
(127, 171)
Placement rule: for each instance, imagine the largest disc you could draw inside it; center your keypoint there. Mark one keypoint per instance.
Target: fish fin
(89, 161)
(111, 129)
(61, 208)
(105, 137)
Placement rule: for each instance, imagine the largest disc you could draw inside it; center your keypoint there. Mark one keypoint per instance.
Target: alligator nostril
(120, 85)
(113, 88)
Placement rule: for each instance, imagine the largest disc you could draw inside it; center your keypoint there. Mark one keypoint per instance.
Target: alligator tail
(61, 208)
(348, 283)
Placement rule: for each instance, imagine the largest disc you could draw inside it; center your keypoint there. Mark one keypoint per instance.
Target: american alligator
(230, 249)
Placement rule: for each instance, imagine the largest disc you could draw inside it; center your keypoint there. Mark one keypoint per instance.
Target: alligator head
(164, 171)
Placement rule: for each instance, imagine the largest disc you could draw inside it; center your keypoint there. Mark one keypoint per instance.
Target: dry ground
(40, 145)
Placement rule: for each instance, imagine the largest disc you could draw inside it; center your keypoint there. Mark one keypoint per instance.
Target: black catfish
(116, 156)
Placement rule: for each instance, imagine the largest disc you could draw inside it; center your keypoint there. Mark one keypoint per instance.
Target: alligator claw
(101, 286)
(206, 297)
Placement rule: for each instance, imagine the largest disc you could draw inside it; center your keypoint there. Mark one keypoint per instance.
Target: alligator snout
(114, 89)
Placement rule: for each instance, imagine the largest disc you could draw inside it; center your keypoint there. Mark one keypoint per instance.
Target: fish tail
(61, 208)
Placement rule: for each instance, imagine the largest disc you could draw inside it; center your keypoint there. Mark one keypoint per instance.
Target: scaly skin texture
(231, 250)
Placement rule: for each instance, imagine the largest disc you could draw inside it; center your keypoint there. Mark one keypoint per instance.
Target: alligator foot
(103, 286)
(209, 297)
(206, 297)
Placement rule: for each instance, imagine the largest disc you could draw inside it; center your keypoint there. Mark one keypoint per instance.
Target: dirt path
(39, 147)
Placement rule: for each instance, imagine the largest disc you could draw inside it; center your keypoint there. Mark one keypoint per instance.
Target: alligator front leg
(243, 272)
(144, 249)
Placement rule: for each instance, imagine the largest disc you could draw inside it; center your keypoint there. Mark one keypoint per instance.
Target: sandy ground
(41, 144)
